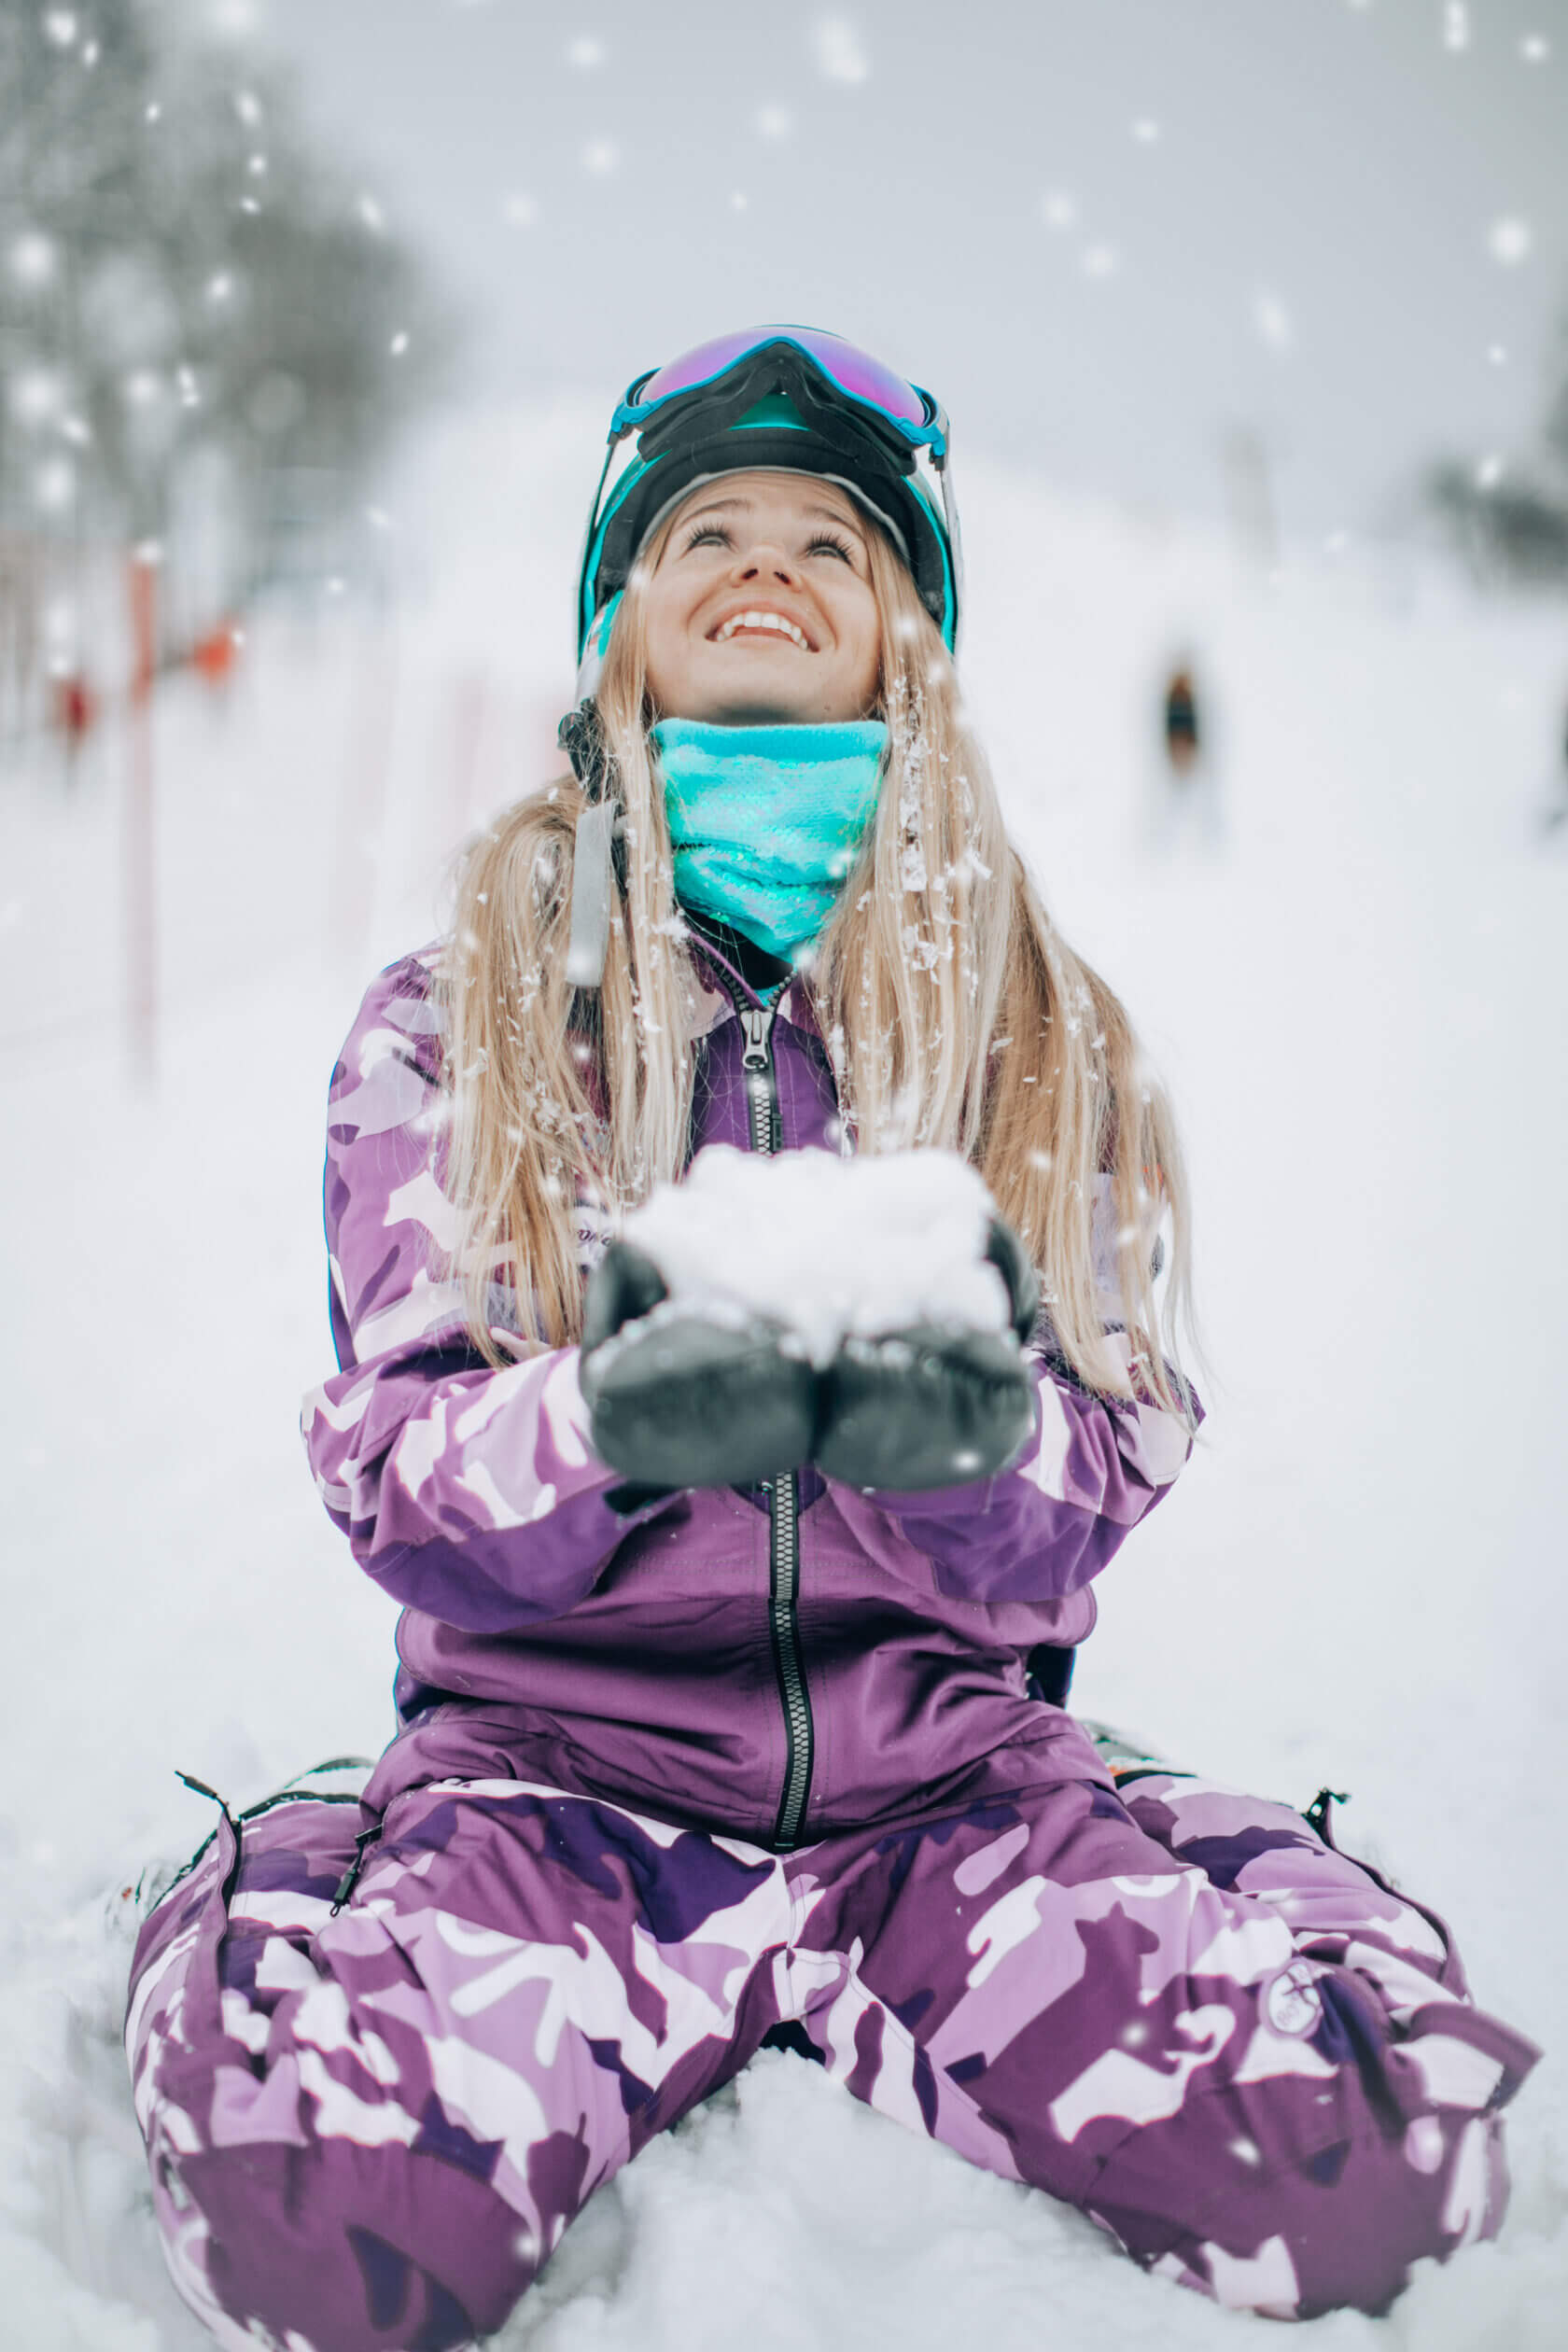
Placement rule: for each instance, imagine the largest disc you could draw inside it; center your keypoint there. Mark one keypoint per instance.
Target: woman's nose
(757, 563)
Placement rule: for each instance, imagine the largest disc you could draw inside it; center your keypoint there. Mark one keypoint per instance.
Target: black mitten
(675, 1400)
(930, 1407)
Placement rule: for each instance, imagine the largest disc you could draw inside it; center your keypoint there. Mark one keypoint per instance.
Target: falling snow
(838, 50)
(1273, 321)
(1510, 241)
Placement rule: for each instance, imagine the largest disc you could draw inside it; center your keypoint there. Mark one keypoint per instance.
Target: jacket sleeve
(466, 1493)
(1093, 1467)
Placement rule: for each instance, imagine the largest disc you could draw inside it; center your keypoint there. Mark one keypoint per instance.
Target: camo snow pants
(1174, 2007)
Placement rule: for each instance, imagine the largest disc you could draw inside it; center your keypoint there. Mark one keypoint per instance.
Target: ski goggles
(909, 411)
(859, 423)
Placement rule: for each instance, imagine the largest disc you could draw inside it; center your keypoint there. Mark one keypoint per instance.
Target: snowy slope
(1356, 991)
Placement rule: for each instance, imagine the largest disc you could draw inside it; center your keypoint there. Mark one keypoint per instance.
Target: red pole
(141, 904)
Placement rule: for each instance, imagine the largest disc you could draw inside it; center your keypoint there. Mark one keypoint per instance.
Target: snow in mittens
(826, 1246)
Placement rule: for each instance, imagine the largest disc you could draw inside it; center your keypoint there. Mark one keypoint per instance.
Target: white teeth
(763, 621)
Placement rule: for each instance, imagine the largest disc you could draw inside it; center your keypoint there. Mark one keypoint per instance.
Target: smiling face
(761, 608)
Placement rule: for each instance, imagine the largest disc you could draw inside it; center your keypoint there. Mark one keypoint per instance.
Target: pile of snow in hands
(826, 1247)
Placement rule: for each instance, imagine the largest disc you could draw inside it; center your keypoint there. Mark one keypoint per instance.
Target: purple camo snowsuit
(669, 1776)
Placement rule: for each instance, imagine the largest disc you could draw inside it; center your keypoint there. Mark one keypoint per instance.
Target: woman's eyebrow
(831, 514)
(744, 506)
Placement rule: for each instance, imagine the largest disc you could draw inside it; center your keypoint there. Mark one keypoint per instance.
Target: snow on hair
(955, 1014)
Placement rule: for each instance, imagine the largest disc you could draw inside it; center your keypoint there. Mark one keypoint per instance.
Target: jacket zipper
(783, 1491)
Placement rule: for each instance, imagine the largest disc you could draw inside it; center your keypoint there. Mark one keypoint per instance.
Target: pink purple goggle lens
(855, 372)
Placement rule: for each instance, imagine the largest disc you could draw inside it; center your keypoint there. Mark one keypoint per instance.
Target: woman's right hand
(682, 1399)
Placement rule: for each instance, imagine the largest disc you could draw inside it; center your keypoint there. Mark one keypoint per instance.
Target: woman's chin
(755, 707)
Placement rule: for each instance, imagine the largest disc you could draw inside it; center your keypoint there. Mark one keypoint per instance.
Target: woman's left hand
(913, 1411)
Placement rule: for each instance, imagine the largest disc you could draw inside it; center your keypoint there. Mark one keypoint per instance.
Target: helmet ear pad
(668, 476)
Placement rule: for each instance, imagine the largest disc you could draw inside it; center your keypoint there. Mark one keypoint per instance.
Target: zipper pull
(757, 1021)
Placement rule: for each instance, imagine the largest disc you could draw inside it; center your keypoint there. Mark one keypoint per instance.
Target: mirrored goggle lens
(855, 372)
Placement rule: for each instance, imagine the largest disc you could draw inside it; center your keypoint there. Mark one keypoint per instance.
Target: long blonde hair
(954, 1015)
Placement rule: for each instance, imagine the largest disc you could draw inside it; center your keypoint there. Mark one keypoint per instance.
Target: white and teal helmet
(794, 399)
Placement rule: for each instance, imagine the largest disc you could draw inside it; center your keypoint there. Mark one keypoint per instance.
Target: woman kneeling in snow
(740, 1585)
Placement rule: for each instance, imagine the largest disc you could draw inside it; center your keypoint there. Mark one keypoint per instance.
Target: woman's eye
(713, 531)
(824, 544)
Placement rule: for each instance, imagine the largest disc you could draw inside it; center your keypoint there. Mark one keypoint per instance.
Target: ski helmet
(794, 399)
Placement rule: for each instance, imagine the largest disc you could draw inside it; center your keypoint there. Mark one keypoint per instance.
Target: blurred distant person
(214, 656)
(732, 1688)
(1188, 799)
(1181, 722)
(73, 712)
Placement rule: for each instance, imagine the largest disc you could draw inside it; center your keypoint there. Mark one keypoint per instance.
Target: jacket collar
(719, 983)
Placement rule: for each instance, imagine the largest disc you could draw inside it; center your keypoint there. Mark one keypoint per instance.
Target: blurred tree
(1511, 524)
(197, 314)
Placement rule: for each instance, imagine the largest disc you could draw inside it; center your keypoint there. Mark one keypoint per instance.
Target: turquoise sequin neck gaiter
(766, 822)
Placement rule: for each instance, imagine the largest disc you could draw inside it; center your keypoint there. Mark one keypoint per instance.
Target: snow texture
(1347, 955)
(825, 1247)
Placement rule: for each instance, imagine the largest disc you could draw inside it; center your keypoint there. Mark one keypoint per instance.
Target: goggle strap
(955, 541)
(616, 438)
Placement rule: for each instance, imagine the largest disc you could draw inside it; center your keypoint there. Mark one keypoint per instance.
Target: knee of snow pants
(368, 2129)
(1292, 2195)
(1359, 2129)
(1186, 2015)
(340, 2248)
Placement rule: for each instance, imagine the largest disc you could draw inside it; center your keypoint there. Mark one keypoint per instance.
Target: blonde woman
(731, 1687)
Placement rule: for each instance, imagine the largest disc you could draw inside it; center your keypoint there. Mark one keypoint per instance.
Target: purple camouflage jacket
(772, 1665)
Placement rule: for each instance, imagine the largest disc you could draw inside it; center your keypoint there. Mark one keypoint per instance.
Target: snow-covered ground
(1354, 985)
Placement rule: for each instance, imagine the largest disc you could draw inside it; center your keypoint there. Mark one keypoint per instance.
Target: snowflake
(1273, 322)
(54, 485)
(1509, 241)
(838, 47)
(33, 258)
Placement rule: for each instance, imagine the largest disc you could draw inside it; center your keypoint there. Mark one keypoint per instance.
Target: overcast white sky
(1108, 233)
